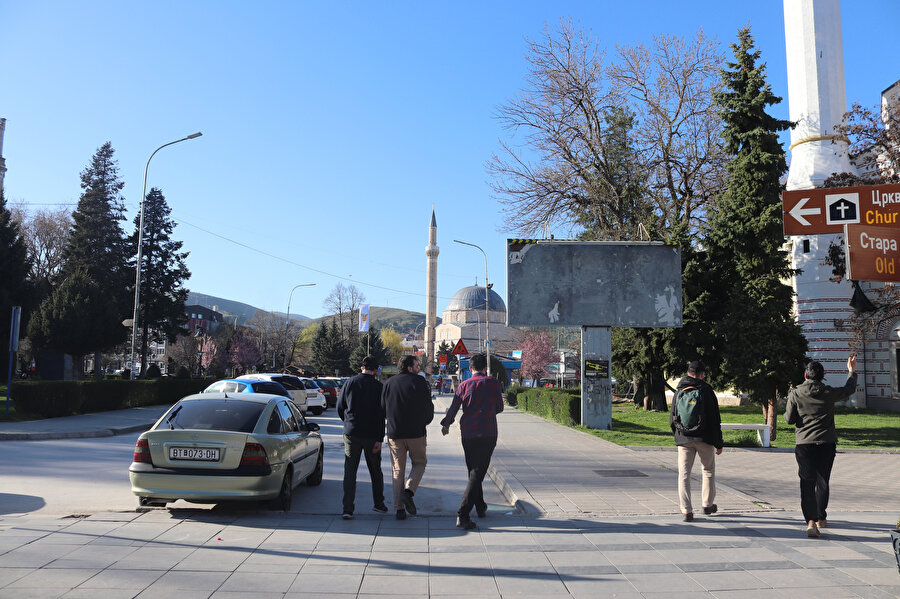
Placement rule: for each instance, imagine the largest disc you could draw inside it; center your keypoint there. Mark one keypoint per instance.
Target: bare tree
(343, 302)
(268, 332)
(670, 86)
(46, 233)
(874, 136)
(635, 142)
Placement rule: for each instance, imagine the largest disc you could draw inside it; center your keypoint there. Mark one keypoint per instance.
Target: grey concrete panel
(593, 283)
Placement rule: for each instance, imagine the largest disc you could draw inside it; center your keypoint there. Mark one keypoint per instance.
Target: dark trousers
(478, 452)
(353, 447)
(815, 461)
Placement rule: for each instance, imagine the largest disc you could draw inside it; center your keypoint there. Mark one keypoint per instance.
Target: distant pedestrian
(697, 425)
(406, 399)
(359, 406)
(481, 399)
(811, 408)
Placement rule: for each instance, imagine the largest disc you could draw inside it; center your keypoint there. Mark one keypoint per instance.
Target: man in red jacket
(481, 399)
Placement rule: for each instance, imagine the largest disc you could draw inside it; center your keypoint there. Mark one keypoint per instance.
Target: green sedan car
(217, 447)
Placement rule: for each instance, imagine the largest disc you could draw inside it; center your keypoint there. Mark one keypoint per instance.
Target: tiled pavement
(595, 520)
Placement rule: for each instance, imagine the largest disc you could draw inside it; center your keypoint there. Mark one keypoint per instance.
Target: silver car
(214, 447)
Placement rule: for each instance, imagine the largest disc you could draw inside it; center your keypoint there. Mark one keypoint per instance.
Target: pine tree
(14, 267)
(750, 307)
(370, 344)
(97, 247)
(329, 352)
(452, 361)
(163, 273)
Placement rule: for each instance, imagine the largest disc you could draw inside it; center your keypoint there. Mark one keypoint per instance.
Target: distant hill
(402, 321)
(231, 308)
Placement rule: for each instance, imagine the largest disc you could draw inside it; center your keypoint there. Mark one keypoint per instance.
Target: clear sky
(330, 129)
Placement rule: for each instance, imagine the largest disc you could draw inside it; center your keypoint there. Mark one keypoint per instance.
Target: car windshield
(215, 414)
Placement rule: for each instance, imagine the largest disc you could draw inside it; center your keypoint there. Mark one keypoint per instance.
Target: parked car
(248, 386)
(215, 447)
(314, 396)
(330, 389)
(305, 398)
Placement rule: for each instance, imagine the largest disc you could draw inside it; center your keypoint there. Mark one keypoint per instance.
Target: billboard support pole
(596, 388)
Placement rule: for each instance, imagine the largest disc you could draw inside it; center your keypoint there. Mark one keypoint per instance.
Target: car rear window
(326, 383)
(214, 414)
(269, 387)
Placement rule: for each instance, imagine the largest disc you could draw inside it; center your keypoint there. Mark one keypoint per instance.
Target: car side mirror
(312, 426)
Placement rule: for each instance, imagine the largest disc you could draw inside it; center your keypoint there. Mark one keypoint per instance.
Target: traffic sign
(827, 210)
(873, 253)
(460, 349)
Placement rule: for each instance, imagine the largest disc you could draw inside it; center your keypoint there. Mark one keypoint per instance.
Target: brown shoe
(822, 523)
(689, 517)
(812, 531)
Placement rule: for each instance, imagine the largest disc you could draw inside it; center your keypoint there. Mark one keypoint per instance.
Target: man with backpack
(695, 420)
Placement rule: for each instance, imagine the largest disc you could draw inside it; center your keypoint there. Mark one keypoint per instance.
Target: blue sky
(329, 129)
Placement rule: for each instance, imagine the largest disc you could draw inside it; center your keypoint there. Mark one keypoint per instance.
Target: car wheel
(316, 411)
(315, 477)
(286, 494)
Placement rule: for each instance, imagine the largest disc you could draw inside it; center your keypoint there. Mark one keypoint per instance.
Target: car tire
(286, 493)
(315, 477)
(316, 411)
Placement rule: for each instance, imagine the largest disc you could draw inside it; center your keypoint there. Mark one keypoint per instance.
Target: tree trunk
(98, 375)
(770, 416)
(638, 397)
(656, 391)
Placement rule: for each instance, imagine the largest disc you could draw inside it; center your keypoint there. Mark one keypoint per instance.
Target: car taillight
(254, 455)
(142, 451)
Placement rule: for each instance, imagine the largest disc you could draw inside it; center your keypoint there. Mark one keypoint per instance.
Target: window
(806, 246)
(290, 423)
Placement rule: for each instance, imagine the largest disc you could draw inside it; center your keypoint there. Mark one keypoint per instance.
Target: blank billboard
(593, 283)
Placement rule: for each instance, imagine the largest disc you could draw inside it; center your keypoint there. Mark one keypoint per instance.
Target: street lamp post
(287, 322)
(487, 319)
(140, 247)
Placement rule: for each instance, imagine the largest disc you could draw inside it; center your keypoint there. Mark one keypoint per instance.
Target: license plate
(196, 454)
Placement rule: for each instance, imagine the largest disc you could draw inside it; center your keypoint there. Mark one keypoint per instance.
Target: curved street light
(140, 247)
(287, 322)
(487, 320)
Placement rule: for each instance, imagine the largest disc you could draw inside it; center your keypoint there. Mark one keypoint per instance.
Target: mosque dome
(472, 298)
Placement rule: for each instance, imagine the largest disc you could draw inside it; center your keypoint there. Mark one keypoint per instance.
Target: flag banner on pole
(364, 318)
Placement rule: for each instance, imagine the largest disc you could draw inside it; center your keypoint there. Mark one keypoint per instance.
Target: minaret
(817, 102)
(431, 253)
(2, 160)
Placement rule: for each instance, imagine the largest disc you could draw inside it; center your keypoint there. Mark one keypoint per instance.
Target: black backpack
(689, 410)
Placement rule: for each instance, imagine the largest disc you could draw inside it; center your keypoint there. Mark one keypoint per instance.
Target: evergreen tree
(329, 352)
(14, 268)
(370, 344)
(163, 273)
(97, 247)
(69, 319)
(452, 361)
(761, 348)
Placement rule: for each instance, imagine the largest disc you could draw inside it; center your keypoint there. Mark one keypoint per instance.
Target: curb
(106, 432)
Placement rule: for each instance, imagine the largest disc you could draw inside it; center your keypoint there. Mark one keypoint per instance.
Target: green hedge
(561, 405)
(64, 398)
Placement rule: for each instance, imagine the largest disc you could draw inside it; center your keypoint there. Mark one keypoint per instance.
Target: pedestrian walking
(697, 425)
(481, 399)
(359, 406)
(811, 408)
(406, 400)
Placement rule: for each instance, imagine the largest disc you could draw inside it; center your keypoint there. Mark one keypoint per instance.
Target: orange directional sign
(873, 253)
(460, 349)
(827, 210)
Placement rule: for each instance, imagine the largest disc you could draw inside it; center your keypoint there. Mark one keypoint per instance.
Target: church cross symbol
(842, 209)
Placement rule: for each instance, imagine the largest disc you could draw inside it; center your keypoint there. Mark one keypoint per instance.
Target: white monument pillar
(817, 102)
(431, 252)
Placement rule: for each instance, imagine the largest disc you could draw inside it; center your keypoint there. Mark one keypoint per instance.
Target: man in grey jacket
(811, 408)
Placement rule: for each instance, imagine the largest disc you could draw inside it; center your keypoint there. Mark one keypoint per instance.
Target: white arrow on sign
(799, 212)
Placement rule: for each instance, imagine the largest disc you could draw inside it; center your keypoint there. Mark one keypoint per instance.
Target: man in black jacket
(406, 399)
(703, 439)
(359, 406)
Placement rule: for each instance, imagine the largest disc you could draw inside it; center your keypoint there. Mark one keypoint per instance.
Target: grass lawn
(855, 428)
